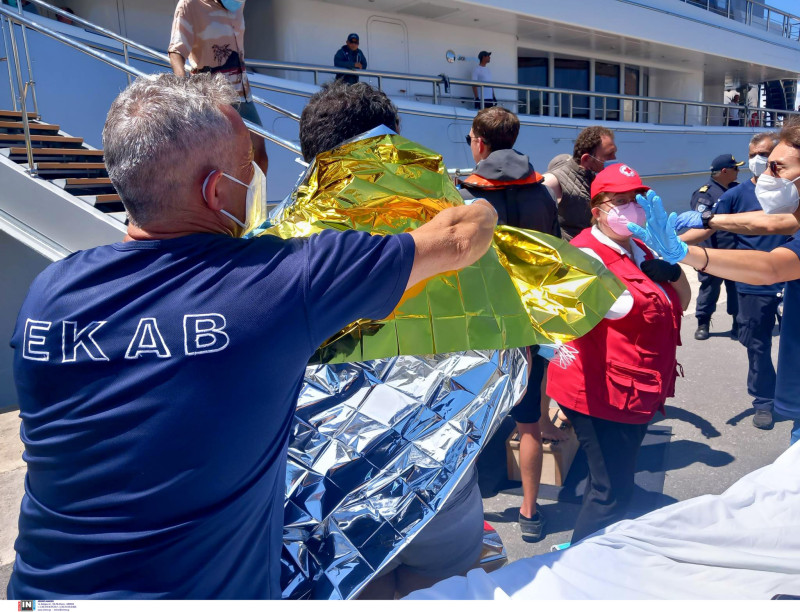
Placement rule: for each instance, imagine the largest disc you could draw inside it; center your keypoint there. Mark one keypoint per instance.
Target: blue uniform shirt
(704, 199)
(742, 198)
(787, 386)
(157, 382)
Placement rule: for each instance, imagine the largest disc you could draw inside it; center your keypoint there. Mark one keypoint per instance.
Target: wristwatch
(706, 217)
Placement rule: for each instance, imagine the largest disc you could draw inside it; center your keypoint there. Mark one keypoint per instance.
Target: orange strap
(474, 180)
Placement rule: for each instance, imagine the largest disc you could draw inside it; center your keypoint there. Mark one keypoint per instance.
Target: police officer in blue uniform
(758, 304)
(724, 172)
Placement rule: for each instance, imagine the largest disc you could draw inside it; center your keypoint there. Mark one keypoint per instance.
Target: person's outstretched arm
(751, 267)
(453, 239)
(755, 223)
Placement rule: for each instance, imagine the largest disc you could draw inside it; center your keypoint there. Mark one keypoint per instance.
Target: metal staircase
(59, 158)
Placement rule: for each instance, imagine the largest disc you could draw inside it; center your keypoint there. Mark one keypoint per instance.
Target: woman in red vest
(625, 367)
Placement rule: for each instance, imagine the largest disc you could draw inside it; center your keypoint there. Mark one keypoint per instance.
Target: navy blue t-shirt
(742, 198)
(787, 385)
(157, 382)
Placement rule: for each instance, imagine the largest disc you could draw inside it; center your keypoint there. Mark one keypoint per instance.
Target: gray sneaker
(532, 528)
(762, 419)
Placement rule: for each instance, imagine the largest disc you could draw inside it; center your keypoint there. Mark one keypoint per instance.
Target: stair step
(70, 166)
(103, 198)
(4, 138)
(9, 114)
(18, 125)
(51, 152)
(81, 182)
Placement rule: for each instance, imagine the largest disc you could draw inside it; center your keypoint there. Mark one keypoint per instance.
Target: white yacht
(660, 73)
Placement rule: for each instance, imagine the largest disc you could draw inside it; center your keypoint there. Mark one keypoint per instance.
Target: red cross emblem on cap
(626, 170)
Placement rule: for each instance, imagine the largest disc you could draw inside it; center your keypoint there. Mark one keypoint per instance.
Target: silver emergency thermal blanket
(742, 544)
(376, 449)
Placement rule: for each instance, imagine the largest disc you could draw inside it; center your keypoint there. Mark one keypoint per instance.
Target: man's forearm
(453, 239)
(755, 223)
(744, 266)
(178, 62)
(696, 236)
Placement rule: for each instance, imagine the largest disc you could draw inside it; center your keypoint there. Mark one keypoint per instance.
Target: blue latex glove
(659, 230)
(688, 220)
(795, 432)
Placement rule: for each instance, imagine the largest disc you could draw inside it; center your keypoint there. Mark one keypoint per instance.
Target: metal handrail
(555, 96)
(7, 59)
(31, 80)
(787, 27)
(127, 43)
(541, 92)
(129, 70)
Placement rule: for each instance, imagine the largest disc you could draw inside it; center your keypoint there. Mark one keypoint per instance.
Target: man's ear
(585, 159)
(211, 197)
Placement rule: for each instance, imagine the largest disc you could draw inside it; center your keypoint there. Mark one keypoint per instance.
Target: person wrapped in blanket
(626, 366)
(451, 543)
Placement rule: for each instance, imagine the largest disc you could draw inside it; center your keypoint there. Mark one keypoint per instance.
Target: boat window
(606, 80)
(533, 71)
(572, 74)
(631, 109)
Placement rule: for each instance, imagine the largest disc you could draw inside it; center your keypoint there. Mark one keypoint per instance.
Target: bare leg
(530, 466)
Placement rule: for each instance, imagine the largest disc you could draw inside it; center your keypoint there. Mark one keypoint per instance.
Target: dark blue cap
(724, 161)
(352, 37)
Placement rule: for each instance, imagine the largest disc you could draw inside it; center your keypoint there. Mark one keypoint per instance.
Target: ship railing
(526, 99)
(10, 17)
(756, 14)
(551, 101)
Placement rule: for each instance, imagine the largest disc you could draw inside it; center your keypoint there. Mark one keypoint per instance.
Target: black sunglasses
(774, 168)
(469, 138)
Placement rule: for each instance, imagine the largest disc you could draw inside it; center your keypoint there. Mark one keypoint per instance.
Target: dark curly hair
(338, 112)
(588, 140)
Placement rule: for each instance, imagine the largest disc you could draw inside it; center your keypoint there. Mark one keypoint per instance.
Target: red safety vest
(625, 368)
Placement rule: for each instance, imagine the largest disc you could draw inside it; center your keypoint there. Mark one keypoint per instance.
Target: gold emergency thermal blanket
(529, 288)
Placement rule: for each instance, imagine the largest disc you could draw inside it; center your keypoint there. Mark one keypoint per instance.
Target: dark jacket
(508, 181)
(704, 199)
(574, 209)
(345, 58)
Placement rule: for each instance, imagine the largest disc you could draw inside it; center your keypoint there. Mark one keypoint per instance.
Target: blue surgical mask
(232, 5)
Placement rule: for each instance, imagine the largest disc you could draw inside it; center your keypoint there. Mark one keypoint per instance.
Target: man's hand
(453, 239)
(357, 65)
(688, 220)
(659, 230)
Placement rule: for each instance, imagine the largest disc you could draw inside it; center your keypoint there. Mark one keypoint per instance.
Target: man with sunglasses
(724, 172)
(506, 179)
(777, 193)
(758, 304)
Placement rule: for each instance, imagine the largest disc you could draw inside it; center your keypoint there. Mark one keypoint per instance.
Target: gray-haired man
(157, 377)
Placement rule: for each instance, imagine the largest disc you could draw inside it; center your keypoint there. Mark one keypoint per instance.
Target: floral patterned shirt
(212, 39)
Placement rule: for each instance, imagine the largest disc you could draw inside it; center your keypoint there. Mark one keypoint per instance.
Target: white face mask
(776, 195)
(757, 165)
(256, 207)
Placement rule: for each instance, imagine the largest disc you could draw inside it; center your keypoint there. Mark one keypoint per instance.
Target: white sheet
(743, 544)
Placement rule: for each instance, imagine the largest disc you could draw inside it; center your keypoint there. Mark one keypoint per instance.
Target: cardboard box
(556, 460)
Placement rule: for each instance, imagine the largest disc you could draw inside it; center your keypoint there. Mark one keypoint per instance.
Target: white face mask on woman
(256, 206)
(777, 195)
(757, 165)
